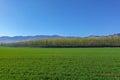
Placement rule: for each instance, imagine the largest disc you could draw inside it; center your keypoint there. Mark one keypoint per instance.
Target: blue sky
(60, 17)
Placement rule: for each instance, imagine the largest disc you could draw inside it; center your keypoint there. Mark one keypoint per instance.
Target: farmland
(59, 63)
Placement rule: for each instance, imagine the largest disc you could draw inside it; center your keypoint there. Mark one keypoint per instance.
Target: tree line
(69, 42)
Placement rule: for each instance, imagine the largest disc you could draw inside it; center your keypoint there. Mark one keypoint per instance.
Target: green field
(59, 63)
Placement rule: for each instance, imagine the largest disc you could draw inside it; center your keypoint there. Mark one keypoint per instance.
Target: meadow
(59, 63)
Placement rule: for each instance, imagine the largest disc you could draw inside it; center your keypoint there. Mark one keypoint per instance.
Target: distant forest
(68, 42)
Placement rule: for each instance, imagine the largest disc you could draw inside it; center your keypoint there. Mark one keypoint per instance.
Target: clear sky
(60, 17)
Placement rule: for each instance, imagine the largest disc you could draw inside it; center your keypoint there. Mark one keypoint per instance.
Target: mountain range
(27, 38)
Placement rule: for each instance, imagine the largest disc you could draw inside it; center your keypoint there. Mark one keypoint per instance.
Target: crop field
(59, 63)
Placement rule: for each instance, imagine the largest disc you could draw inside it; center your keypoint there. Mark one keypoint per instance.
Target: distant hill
(112, 35)
(118, 34)
(26, 38)
(7, 39)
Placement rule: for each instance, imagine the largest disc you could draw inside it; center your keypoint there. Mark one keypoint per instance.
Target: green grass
(59, 63)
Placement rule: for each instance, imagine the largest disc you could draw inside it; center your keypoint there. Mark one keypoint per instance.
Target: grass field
(59, 63)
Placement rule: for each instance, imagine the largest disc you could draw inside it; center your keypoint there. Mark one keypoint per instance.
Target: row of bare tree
(69, 42)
